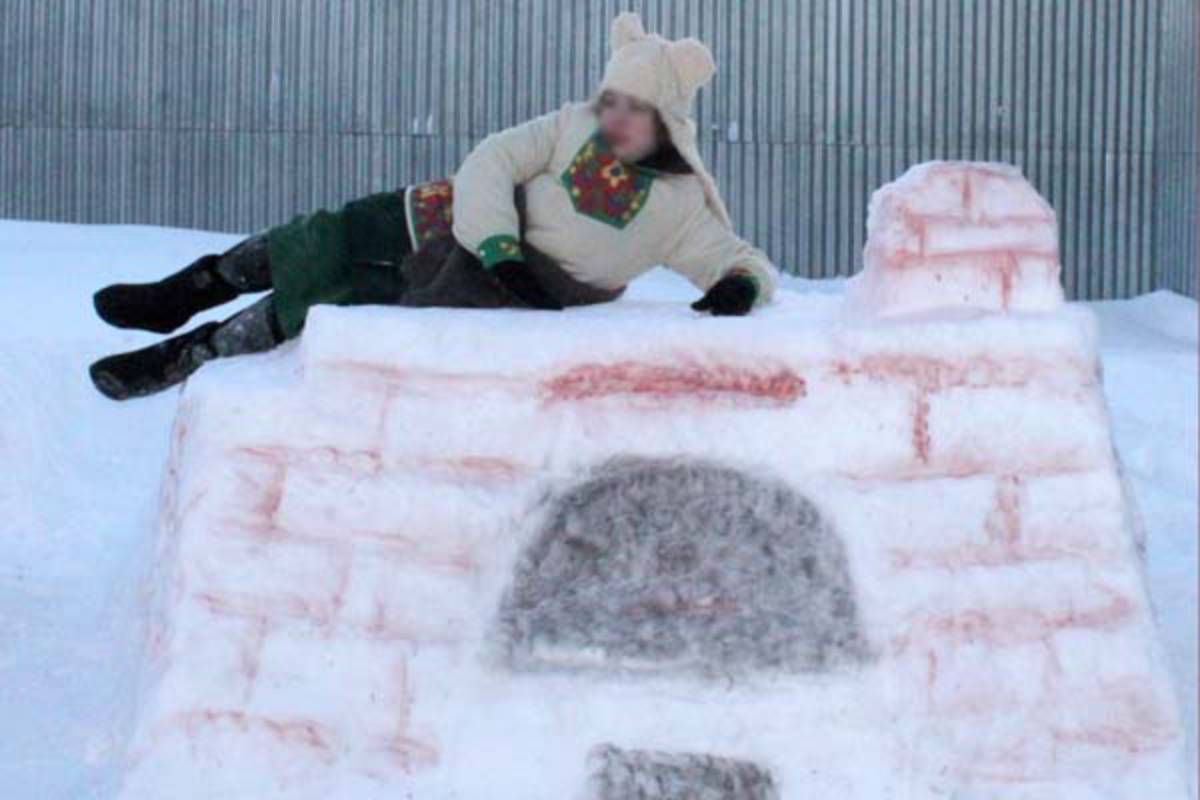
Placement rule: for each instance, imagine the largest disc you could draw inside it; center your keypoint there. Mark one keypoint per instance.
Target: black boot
(208, 281)
(254, 329)
(154, 368)
(165, 305)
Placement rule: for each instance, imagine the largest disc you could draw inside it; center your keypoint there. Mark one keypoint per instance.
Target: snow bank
(450, 553)
(958, 233)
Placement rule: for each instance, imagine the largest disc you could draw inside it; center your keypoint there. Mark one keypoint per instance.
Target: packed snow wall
(861, 547)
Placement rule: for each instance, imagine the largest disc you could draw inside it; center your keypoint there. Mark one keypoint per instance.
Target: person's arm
(485, 217)
(734, 275)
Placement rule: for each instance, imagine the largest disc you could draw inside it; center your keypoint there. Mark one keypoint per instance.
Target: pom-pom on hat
(666, 74)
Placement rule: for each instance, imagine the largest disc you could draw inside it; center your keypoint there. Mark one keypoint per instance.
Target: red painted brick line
(255, 607)
(634, 378)
(474, 469)
(250, 653)
(409, 752)
(369, 461)
(1133, 722)
(301, 734)
(928, 376)
(1004, 627)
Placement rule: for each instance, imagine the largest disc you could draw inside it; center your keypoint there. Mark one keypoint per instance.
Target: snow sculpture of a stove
(857, 549)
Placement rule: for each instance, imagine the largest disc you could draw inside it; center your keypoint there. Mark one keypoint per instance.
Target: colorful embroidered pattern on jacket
(429, 208)
(602, 187)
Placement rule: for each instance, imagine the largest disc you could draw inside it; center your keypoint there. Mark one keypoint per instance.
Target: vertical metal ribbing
(818, 81)
(1098, 122)
(1086, 136)
(844, 122)
(1155, 100)
(1119, 217)
(1071, 152)
(238, 115)
(1177, 252)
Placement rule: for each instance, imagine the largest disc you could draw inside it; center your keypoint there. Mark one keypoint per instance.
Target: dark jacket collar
(666, 159)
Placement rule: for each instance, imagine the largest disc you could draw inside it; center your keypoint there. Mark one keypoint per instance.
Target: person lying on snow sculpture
(562, 210)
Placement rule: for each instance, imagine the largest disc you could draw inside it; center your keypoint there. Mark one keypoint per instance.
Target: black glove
(517, 278)
(733, 295)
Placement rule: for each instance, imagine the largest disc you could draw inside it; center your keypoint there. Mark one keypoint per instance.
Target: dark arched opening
(681, 565)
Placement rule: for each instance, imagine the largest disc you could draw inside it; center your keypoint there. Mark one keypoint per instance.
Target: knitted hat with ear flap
(667, 75)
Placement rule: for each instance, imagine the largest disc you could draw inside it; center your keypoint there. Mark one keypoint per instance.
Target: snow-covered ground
(79, 481)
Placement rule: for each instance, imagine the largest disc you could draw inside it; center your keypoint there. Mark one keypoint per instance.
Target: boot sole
(152, 369)
(106, 384)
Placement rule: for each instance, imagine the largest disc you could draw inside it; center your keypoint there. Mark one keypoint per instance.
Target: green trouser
(350, 256)
(362, 255)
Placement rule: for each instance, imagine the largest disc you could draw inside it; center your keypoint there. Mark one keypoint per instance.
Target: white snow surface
(80, 480)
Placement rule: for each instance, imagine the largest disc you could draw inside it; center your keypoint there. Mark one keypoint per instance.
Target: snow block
(632, 551)
(953, 234)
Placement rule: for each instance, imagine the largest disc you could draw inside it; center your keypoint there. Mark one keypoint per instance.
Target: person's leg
(348, 256)
(443, 273)
(246, 266)
(209, 281)
(451, 276)
(254, 329)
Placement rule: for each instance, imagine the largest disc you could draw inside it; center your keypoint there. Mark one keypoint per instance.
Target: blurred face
(630, 125)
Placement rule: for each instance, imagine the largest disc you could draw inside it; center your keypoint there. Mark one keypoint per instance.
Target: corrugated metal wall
(237, 114)
(1177, 230)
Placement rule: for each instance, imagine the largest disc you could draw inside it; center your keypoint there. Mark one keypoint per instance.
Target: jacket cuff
(500, 247)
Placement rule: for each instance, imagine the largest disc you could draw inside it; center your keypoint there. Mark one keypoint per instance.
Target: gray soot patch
(616, 774)
(680, 566)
